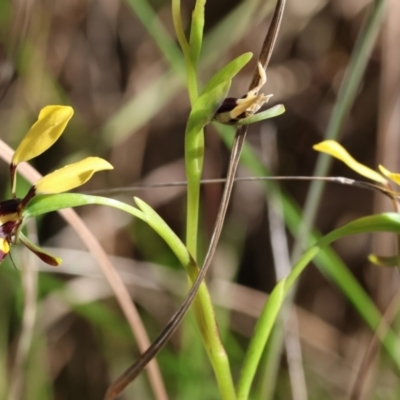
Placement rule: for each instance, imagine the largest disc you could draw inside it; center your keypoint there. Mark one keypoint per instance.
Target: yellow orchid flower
(336, 150)
(43, 134)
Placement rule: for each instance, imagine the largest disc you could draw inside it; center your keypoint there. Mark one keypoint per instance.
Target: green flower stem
(202, 306)
(203, 110)
(194, 149)
(194, 158)
(201, 114)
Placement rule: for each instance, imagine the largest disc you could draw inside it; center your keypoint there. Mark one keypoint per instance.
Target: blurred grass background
(118, 65)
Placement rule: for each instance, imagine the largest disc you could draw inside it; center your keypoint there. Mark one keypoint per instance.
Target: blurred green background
(118, 65)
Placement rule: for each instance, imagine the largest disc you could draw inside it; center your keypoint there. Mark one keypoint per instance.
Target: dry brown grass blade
(132, 372)
(116, 283)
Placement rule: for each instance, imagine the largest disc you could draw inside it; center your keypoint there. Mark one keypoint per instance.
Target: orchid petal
(44, 132)
(336, 150)
(71, 176)
(392, 176)
(11, 217)
(4, 248)
(384, 261)
(43, 255)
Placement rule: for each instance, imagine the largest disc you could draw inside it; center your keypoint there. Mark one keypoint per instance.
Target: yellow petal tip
(390, 175)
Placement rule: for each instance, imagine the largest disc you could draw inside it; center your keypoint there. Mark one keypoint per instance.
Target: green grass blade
(159, 34)
(389, 222)
(196, 31)
(191, 65)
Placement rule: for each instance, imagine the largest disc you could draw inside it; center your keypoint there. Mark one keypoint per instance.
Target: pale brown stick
(120, 291)
(29, 274)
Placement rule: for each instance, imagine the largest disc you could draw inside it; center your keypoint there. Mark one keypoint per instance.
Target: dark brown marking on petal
(9, 206)
(9, 228)
(28, 197)
(47, 258)
(227, 105)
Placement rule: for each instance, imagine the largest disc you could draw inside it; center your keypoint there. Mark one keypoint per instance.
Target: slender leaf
(388, 222)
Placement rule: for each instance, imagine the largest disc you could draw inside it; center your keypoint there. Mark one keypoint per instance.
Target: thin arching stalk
(133, 371)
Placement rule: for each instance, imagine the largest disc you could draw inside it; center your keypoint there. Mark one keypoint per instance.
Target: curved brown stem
(134, 370)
